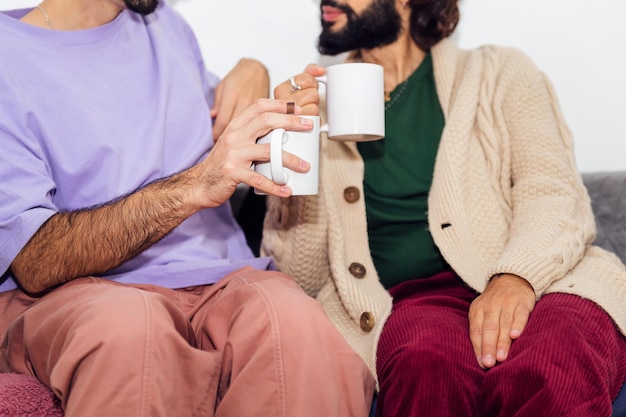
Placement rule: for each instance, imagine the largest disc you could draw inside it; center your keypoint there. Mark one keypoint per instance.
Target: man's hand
(307, 96)
(246, 82)
(228, 163)
(498, 316)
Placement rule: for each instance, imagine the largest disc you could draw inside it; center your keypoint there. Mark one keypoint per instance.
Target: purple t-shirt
(88, 116)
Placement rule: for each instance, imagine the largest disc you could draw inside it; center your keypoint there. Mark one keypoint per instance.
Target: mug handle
(278, 137)
(324, 80)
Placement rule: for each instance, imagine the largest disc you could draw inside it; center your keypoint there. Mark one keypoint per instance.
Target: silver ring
(294, 86)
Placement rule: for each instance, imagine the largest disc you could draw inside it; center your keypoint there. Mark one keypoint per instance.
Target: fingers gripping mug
(355, 101)
(305, 145)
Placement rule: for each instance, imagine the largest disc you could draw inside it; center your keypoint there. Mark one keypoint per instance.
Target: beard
(378, 25)
(144, 7)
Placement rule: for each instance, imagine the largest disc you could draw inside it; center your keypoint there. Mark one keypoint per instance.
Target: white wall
(578, 43)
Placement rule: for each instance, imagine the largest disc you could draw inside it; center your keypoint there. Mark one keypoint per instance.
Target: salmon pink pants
(251, 345)
(569, 361)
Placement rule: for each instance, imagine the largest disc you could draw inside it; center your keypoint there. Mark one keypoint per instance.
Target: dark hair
(432, 21)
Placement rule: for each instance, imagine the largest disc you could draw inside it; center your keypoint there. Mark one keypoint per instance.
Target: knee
(124, 319)
(531, 374)
(511, 381)
(280, 298)
(277, 307)
(415, 360)
(538, 388)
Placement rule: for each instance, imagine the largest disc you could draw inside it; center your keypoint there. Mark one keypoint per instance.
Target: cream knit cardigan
(506, 198)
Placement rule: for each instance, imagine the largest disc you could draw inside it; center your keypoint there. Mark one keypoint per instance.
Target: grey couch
(608, 199)
(24, 396)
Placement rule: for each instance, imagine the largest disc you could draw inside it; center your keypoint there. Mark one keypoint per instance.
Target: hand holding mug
(305, 145)
(228, 163)
(302, 89)
(355, 98)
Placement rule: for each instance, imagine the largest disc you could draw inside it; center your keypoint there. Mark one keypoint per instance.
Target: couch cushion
(24, 395)
(608, 199)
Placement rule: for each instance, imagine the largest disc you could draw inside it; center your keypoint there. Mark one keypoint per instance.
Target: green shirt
(398, 176)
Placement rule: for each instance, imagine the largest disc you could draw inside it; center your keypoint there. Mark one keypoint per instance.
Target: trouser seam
(147, 363)
(278, 354)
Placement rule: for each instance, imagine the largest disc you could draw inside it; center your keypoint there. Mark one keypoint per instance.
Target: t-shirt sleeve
(209, 79)
(26, 190)
(210, 82)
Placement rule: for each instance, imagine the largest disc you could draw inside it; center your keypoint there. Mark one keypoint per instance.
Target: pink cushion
(25, 396)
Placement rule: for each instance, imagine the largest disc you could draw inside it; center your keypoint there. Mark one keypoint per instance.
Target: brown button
(367, 321)
(357, 270)
(351, 194)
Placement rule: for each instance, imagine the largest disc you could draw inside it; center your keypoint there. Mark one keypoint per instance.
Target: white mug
(305, 145)
(355, 102)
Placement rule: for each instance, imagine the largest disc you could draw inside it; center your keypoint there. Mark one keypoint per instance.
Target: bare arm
(79, 243)
(92, 241)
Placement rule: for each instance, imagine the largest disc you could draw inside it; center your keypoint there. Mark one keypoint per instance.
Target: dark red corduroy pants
(570, 360)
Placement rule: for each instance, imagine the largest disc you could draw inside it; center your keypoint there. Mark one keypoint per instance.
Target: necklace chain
(45, 15)
(397, 95)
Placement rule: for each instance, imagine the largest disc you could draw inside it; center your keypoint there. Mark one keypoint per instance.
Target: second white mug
(355, 101)
(305, 145)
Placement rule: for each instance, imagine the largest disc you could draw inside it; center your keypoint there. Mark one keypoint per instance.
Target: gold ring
(291, 107)
(294, 86)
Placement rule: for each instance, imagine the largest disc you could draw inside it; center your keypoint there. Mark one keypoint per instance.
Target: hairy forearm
(91, 241)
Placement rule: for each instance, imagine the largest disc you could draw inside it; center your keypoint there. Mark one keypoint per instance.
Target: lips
(331, 14)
